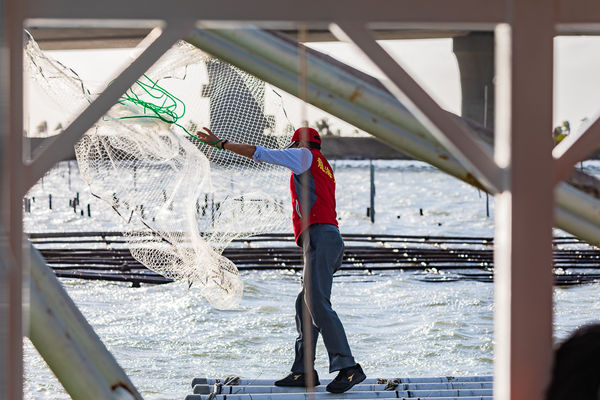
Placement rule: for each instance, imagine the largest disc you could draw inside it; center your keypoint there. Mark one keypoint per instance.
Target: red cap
(306, 134)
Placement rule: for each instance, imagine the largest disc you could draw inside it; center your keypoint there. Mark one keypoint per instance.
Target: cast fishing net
(181, 201)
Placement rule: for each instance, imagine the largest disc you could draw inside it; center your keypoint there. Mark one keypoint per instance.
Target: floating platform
(431, 388)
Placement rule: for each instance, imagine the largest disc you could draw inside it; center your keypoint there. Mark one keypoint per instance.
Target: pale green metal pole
(362, 101)
(68, 342)
(62, 353)
(53, 309)
(267, 69)
(322, 71)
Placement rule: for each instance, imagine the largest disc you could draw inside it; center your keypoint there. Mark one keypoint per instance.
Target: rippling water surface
(165, 335)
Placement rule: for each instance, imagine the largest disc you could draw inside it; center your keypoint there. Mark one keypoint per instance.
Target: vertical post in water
(212, 210)
(372, 207)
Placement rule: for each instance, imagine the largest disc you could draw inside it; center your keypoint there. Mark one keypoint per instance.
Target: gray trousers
(322, 257)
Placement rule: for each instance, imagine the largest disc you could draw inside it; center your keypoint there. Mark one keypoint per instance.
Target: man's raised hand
(207, 136)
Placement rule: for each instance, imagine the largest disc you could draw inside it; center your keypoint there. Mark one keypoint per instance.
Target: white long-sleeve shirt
(298, 159)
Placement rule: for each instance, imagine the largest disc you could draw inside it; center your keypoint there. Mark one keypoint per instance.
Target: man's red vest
(313, 195)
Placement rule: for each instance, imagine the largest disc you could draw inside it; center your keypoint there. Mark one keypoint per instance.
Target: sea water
(397, 326)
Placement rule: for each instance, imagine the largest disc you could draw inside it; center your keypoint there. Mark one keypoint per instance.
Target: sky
(577, 78)
(430, 61)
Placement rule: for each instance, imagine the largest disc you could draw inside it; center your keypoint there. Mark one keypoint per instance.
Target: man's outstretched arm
(246, 150)
(297, 160)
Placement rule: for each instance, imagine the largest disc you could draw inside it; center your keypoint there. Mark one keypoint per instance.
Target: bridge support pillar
(475, 55)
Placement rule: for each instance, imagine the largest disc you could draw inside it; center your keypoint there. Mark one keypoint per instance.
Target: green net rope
(161, 104)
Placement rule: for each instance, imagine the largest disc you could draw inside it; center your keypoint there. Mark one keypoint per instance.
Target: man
(312, 187)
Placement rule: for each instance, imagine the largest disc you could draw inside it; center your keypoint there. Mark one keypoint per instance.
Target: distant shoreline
(334, 148)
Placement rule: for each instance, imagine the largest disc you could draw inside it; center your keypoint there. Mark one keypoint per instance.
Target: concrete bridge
(474, 52)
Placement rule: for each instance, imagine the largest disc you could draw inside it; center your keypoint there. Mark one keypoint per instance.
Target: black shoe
(347, 378)
(297, 379)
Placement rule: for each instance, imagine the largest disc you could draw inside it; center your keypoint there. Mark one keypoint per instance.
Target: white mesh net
(182, 202)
